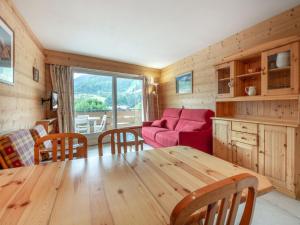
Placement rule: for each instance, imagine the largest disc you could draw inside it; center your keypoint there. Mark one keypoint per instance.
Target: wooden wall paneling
(284, 25)
(296, 160)
(275, 110)
(74, 60)
(20, 104)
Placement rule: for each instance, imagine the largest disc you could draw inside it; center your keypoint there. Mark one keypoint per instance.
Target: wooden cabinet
(225, 75)
(274, 151)
(245, 155)
(50, 125)
(222, 139)
(278, 157)
(280, 70)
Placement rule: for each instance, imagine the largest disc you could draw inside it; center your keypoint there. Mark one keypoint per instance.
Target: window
(105, 101)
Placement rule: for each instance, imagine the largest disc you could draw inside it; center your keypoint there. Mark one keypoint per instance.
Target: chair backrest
(103, 121)
(63, 143)
(218, 201)
(118, 137)
(82, 120)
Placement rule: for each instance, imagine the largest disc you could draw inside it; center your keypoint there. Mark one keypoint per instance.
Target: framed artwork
(35, 74)
(6, 53)
(184, 83)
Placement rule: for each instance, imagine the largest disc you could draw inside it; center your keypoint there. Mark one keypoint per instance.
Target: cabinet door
(222, 139)
(225, 76)
(280, 70)
(273, 153)
(245, 155)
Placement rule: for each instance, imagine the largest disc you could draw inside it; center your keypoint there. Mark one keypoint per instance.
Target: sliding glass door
(92, 103)
(105, 101)
(129, 102)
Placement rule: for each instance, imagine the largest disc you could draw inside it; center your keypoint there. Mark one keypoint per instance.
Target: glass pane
(92, 103)
(224, 80)
(279, 73)
(129, 102)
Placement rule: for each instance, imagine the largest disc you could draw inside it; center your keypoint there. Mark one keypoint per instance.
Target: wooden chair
(118, 137)
(217, 200)
(59, 145)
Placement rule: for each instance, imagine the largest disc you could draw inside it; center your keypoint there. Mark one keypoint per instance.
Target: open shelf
(249, 75)
(224, 79)
(280, 69)
(258, 98)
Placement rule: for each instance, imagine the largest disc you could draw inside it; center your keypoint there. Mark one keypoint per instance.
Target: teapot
(251, 90)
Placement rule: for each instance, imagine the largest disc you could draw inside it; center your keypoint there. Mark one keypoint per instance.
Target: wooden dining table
(136, 188)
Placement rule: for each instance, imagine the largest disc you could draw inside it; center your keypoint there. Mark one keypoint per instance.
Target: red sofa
(189, 127)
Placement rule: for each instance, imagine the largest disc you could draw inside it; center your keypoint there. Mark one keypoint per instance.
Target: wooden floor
(271, 209)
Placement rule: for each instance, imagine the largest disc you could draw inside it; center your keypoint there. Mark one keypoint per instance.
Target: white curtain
(62, 82)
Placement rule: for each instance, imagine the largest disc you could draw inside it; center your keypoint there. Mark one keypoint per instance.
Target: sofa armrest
(201, 140)
(147, 123)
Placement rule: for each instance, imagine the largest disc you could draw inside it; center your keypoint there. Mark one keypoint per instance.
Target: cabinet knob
(262, 152)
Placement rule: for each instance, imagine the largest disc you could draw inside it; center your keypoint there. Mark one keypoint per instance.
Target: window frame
(114, 76)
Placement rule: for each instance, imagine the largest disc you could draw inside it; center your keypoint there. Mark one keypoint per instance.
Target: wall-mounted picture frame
(184, 83)
(7, 48)
(35, 74)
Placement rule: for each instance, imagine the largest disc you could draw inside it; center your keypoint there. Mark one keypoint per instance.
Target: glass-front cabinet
(280, 70)
(225, 76)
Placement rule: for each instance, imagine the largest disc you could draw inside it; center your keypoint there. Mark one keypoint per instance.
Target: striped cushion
(24, 145)
(37, 132)
(8, 152)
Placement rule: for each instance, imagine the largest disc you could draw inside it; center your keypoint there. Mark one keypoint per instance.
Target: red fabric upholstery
(150, 132)
(189, 127)
(171, 116)
(172, 112)
(167, 138)
(201, 140)
(158, 123)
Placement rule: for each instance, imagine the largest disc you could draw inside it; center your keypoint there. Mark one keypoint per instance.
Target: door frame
(114, 76)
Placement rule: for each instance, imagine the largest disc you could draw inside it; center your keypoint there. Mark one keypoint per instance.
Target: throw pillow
(9, 153)
(158, 123)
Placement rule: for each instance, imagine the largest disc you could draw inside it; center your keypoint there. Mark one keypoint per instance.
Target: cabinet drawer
(244, 127)
(246, 138)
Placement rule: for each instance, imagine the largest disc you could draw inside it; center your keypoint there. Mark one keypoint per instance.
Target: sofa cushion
(9, 154)
(193, 126)
(198, 118)
(24, 145)
(172, 112)
(201, 115)
(38, 132)
(158, 123)
(188, 125)
(170, 123)
(150, 132)
(167, 138)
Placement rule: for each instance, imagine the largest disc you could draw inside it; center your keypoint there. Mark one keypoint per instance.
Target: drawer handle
(243, 138)
(262, 152)
(244, 127)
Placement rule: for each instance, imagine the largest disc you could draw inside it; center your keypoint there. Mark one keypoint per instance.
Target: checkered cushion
(37, 132)
(24, 145)
(9, 153)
